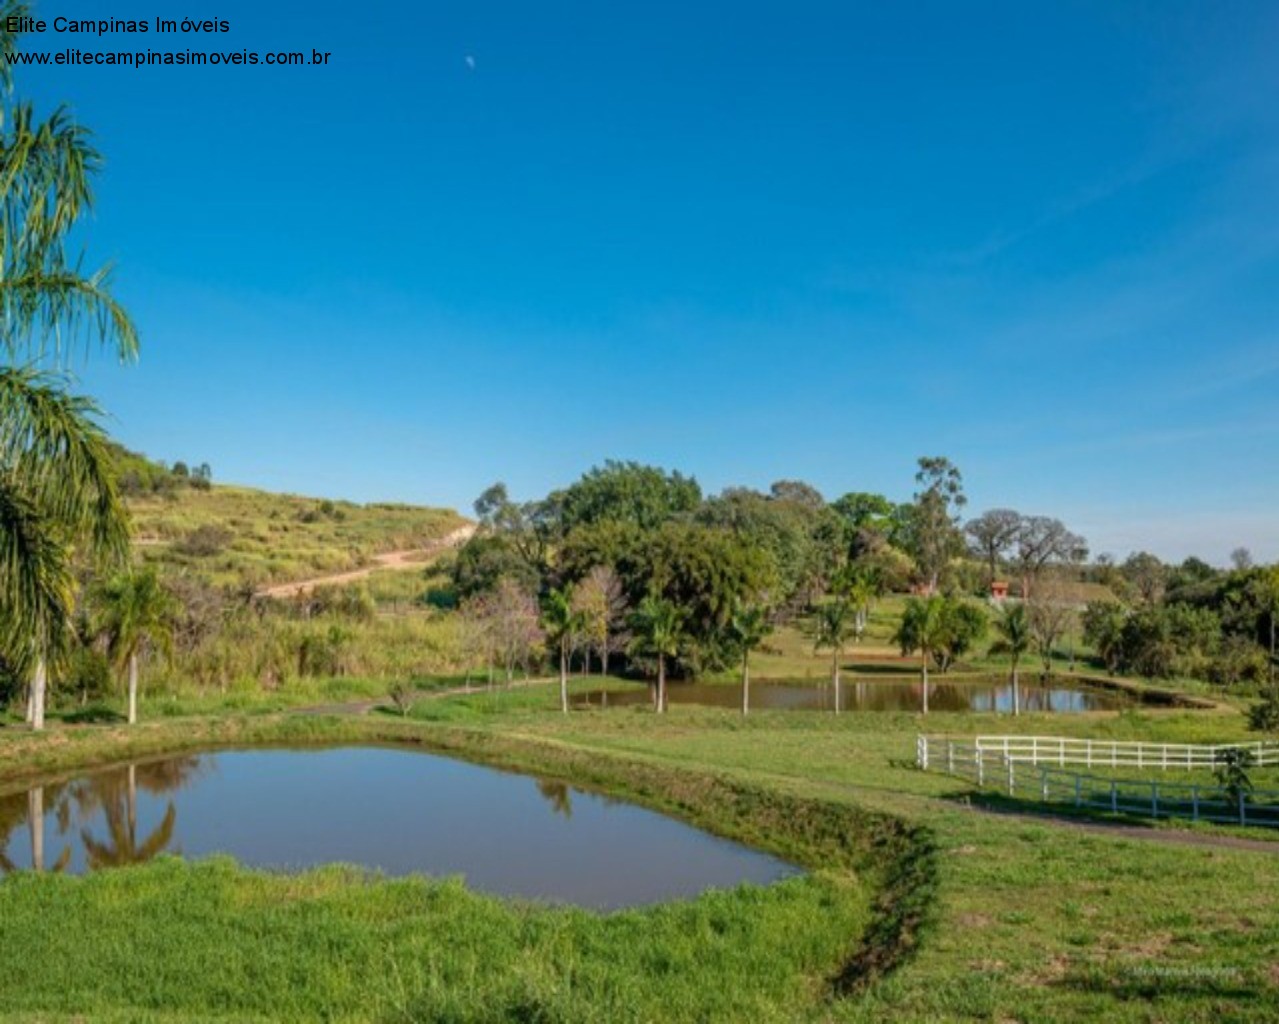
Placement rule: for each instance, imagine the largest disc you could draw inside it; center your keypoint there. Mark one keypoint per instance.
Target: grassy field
(921, 906)
(236, 535)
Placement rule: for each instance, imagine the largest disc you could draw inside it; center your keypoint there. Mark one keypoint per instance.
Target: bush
(204, 541)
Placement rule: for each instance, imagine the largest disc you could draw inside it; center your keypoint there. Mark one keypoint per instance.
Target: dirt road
(410, 558)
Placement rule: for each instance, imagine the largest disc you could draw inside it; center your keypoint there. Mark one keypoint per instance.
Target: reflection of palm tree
(558, 795)
(35, 829)
(120, 808)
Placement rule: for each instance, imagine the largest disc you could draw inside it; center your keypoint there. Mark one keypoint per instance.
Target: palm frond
(36, 582)
(51, 444)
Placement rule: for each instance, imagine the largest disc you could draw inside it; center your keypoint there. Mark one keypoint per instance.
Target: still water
(882, 695)
(395, 811)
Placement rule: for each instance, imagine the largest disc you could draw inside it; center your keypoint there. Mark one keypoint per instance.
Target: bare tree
(1050, 615)
(992, 536)
(1241, 559)
(600, 600)
(1043, 541)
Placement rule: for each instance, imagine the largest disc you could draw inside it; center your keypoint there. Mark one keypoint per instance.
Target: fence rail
(1068, 750)
(1006, 766)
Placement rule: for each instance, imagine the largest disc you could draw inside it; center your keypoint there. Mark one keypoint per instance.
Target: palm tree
(137, 616)
(563, 624)
(833, 627)
(56, 481)
(922, 628)
(658, 626)
(749, 626)
(1015, 641)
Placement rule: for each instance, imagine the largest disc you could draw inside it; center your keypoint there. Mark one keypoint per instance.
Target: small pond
(995, 694)
(395, 811)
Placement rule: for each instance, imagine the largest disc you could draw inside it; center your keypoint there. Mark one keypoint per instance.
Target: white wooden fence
(1068, 750)
(1028, 767)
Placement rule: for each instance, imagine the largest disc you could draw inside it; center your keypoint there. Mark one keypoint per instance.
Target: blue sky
(746, 240)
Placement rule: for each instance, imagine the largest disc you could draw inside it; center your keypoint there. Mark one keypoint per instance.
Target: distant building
(999, 591)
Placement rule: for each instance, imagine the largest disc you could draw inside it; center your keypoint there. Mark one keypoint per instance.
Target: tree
(963, 627)
(138, 616)
(934, 520)
(1241, 559)
(513, 616)
(750, 627)
(627, 492)
(599, 599)
(1103, 623)
(992, 535)
(1014, 640)
(658, 627)
(1042, 541)
(923, 629)
(563, 625)
(57, 484)
(833, 626)
(1146, 574)
(1050, 616)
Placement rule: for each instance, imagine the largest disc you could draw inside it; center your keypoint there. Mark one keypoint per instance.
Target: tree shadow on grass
(93, 714)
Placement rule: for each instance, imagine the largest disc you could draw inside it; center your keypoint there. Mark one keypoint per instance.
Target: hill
(239, 536)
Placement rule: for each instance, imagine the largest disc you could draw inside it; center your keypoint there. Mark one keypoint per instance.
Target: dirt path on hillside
(409, 558)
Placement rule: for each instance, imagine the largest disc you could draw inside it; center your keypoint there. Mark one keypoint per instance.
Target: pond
(986, 694)
(395, 811)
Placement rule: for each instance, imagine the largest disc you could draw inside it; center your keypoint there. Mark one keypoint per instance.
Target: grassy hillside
(239, 536)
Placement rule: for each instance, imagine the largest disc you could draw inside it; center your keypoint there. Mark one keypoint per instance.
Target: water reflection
(388, 810)
(557, 795)
(1059, 696)
(101, 810)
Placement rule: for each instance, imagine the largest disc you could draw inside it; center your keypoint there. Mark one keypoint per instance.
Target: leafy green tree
(627, 492)
(138, 615)
(833, 625)
(658, 628)
(1103, 623)
(964, 626)
(57, 483)
(1014, 640)
(923, 628)
(563, 625)
(934, 536)
(750, 627)
(1264, 715)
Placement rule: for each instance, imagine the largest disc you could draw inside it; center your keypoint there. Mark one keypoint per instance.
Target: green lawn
(919, 907)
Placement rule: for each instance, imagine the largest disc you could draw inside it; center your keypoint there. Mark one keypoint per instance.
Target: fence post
(1114, 797)
(1043, 783)
(950, 757)
(1011, 777)
(981, 769)
(921, 752)
(1154, 799)
(1165, 753)
(1078, 795)
(1090, 753)
(1194, 802)
(1061, 753)
(1243, 803)
(1034, 750)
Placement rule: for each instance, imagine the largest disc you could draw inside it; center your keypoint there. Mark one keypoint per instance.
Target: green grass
(920, 907)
